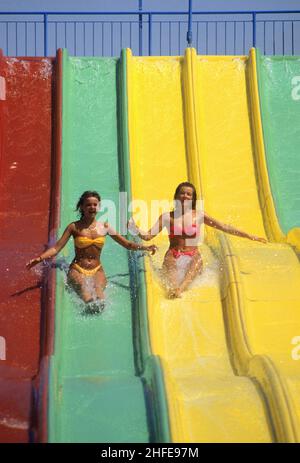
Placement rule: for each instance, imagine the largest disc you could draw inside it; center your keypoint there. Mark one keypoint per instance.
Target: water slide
(222, 353)
(279, 88)
(26, 112)
(208, 399)
(261, 291)
(104, 384)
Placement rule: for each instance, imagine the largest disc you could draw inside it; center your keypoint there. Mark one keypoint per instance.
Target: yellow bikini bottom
(84, 271)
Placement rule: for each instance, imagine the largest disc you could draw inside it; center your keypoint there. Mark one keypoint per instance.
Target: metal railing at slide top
(149, 32)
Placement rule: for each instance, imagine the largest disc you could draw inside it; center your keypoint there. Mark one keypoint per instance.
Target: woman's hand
(33, 262)
(258, 238)
(152, 249)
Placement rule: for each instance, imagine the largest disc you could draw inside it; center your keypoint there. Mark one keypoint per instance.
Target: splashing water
(13, 423)
(80, 307)
(208, 277)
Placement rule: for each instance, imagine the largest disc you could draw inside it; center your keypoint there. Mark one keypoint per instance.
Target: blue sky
(111, 5)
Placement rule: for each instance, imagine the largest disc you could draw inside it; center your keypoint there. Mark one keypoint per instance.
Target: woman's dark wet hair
(190, 185)
(83, 197)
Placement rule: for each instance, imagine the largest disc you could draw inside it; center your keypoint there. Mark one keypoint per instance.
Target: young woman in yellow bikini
(89, 238)
(183, 225)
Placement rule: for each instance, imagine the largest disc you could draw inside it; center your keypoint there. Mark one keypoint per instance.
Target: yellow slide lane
(207, 401)
(261, 283)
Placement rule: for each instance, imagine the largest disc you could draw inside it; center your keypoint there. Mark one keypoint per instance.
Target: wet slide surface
(26, 131)
(226, 346)
(207, 401)
(260, 287)
(95, 395)
(279, 87)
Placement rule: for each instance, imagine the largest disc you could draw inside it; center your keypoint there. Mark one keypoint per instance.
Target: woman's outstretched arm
(230, 229)
(150, 234)
(129, 244)
(54, 250)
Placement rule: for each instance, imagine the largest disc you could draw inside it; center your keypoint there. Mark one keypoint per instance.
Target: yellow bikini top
(84, 241)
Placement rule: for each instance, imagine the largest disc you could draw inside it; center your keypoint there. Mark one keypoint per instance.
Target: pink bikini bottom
(177, 252)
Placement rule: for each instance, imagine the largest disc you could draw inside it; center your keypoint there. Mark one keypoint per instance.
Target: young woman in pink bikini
(89, 238)
(183, 225)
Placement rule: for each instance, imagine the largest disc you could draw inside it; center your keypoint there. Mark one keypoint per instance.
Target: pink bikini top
(190, 231)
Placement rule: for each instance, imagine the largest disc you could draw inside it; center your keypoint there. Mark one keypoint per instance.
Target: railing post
(140, 28)
(189, 35)
(150, 33)
(254, 29)
(45, 35)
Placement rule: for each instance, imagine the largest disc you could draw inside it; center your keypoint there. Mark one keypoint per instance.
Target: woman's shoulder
(103, 227)
(72, 227)
(168, 215)
(165, 218)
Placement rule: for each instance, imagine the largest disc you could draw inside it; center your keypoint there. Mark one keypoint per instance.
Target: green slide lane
(95, 394)
(279, 88)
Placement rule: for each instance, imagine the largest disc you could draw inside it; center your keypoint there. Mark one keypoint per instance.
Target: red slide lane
(26, 108)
